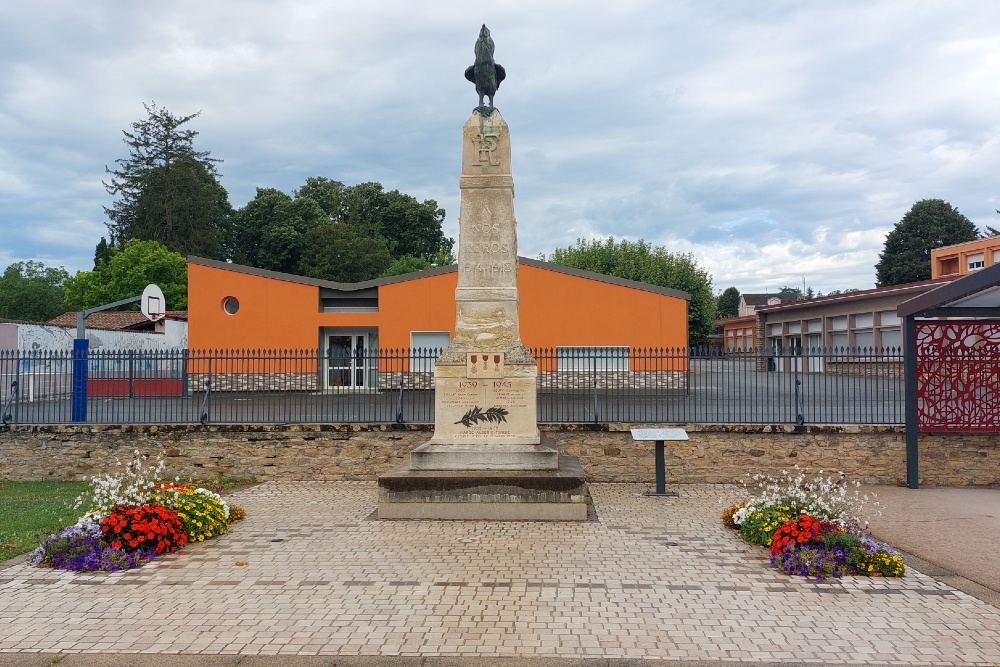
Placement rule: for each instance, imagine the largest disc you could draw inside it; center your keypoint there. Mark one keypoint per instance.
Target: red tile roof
(117, 320)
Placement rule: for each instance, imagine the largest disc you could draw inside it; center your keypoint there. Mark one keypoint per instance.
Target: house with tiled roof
(119, 320)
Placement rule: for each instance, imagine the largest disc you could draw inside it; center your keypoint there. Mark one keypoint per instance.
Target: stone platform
(481, 457)
(499, 495)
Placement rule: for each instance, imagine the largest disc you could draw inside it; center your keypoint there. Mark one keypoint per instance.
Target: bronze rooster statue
(486, 74)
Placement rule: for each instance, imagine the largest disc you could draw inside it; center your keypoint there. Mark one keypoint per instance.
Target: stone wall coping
(624, 427)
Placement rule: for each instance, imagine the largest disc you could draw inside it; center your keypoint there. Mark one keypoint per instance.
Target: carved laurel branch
(476, 415)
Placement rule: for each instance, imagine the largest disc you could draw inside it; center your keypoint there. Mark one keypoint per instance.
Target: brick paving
(649, 578)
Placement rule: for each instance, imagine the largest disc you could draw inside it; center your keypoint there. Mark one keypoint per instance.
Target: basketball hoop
(152, 303)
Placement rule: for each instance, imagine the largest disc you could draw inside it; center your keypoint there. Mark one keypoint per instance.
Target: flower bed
(814, 526)
(132, 517)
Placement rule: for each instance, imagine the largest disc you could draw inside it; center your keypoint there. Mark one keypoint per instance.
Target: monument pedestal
(498, 495)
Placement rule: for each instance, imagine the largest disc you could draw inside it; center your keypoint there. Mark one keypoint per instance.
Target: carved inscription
(490, 247)
(510, 394)
(467, 406)
(492, 269)
(485, 152)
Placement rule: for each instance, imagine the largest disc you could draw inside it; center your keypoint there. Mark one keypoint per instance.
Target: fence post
(131, 373)
(800, 418)
(81, 347)
(594, 359)
(399, 399)
(7, 417)
(910, 400)
(206, 404)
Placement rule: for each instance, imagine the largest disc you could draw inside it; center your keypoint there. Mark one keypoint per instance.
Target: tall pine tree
(165, 190)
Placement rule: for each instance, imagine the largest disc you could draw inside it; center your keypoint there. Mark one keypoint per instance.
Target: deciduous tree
(127, 273)
(31, 291)
(338, 252)
(270, 231)
(655, 265)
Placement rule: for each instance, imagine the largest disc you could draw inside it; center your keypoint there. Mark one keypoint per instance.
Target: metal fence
(575, 385)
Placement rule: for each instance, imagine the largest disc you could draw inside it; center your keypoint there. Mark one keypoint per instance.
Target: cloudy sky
(775, 140)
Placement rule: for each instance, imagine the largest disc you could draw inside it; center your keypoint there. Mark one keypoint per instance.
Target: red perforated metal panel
(958, 375)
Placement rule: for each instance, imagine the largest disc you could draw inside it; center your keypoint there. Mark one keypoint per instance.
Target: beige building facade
(865, 319)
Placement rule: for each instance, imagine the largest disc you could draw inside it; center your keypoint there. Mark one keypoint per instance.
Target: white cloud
(771, 139)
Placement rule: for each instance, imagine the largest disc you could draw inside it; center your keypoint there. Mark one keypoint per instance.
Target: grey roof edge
(316, 282)
(416, 275)
(953, 291)
(861, 294)
(600, 277)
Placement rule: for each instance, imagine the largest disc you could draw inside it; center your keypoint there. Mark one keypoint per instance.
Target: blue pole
(80, 349)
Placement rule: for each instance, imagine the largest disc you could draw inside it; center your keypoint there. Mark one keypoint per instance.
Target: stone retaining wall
(714, 453)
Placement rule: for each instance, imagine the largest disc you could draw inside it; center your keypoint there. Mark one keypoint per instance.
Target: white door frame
(347, 362)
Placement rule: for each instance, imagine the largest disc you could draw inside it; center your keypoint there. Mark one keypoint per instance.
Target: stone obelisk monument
(485, 450)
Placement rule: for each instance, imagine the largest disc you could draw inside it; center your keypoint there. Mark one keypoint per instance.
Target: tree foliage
(165, 190)
(406, 264)
(929, 224)
(654, 265)
(127, 273)
(270, 231)
(728, 303)
(338, 252)
(283, 233)
(31, 291)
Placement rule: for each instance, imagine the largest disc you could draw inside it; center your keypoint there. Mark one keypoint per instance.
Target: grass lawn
(28, 509)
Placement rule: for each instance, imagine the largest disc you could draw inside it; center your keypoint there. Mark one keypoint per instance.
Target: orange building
(964, 258)
(739, 334)
(240, 307)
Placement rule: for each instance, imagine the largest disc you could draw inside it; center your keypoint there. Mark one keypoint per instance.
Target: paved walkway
(310, 573)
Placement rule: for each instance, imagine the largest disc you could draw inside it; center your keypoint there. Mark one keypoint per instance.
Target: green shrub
(758, 526)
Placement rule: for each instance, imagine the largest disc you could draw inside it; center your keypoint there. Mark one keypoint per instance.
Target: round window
(231, 305)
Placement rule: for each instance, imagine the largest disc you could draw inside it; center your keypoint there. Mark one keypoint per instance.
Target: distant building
(864, 319)
(964, 258)
(749, 303)
(739, 334)
(120, 320)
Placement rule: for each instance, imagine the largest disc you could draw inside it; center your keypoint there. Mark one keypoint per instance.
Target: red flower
(146, 522)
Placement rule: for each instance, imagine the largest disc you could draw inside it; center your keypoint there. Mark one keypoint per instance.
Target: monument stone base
(478, 457)
(498, 495)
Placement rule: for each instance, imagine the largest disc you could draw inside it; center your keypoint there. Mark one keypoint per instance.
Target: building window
(838, 340)
(231, 305)
(592, 358)
(892, 339)
(947, 266)
(425, 347)
(888, 318)
(976, 262)
(864, 339)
